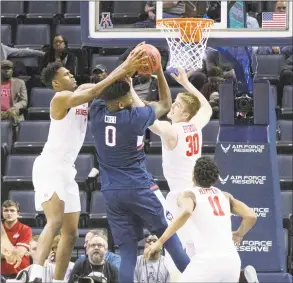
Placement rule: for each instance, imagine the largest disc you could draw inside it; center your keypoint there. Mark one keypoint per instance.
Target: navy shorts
(131, 210)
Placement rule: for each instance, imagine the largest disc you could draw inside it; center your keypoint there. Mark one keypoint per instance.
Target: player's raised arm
(165, 101)
(186, 201)
(64, 100)
(248, 218)
(205, 112)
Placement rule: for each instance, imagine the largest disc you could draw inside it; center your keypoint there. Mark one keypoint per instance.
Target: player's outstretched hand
(237, 239)
(136, 60)
(12, 257)
(181, 77)
(152, 249)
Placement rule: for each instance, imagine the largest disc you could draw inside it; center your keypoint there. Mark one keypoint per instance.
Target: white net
(186, 51)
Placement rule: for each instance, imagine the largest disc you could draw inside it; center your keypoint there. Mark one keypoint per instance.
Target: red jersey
(19, 235)
(5, 96)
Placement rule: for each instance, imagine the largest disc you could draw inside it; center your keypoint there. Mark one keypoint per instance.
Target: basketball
(154, 59)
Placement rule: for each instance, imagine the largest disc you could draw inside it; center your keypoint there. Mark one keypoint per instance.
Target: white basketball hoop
(187, 50)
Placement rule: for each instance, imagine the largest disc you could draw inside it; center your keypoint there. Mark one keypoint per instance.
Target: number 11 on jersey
(216, 206)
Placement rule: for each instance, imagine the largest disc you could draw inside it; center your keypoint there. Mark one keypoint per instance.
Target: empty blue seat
(109, 61)
(275, 62)
(6, 142)
(89, 143)
(286, 171)
(287, 203)
(18, 173)
(32, 36)
(39, 105)
(209, 136)
(11, 13)
(31, 137)
(154, 166)
(11, 9)
(26, 200)
(39, 9)
(97, 216)
(6, 135)
(154, 143)
(44, 12)
(6, 34)
(83, 165)
(287, 102)
(285, 144)
(72, 12)
(72, 34)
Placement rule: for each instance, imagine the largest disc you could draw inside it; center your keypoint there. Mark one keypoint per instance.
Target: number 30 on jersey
(193, 145)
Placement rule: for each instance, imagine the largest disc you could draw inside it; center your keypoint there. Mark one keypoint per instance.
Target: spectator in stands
(33, 247)
(173, 9)
(19, 235)
(198, 79)
(13, 94)
(94, 265)
(49, 266)
(213, 58)
(286, 75)
(153, 269)
(214, 11)
(58, 51)
(98, 74)
(8, 52)
(210, 90)
(110, 257)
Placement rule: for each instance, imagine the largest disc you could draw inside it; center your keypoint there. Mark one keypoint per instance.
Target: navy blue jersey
(119, 143)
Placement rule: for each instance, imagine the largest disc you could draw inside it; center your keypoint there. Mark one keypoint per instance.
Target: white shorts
(213, 268)
(51, 177)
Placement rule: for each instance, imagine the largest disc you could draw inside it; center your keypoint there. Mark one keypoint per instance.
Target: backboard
(116, 23)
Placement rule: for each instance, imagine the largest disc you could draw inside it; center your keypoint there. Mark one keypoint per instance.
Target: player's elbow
(187, 213)
(251, 217)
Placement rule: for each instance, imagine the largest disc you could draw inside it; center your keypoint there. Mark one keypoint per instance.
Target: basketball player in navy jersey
(118, 124)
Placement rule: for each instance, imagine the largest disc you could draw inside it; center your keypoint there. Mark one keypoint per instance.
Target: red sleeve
(25, 237)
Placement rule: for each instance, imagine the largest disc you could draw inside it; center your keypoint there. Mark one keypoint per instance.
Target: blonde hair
(191, 103)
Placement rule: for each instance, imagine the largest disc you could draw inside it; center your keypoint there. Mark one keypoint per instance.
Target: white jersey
(66, 136)
(212, 222)
(178, 163)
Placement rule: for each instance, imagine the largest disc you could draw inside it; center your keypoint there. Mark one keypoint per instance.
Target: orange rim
(183, 22)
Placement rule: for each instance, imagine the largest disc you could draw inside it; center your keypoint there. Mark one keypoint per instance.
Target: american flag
(274, 20)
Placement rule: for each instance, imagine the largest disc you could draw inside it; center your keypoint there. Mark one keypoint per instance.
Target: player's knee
(55, 223)
(71, 235)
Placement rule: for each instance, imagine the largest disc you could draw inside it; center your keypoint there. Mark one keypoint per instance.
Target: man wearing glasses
(95, 266)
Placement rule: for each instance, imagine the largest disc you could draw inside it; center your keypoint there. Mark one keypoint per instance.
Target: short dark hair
(9, 203)
(115, 90)
(205, 172)
(49, 73)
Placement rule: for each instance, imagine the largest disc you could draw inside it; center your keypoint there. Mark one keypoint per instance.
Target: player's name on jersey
(189, 128)
(110, 119)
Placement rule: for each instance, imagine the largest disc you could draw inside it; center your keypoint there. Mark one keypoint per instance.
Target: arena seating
(6, 34)
(18, 152)
(32, 36)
